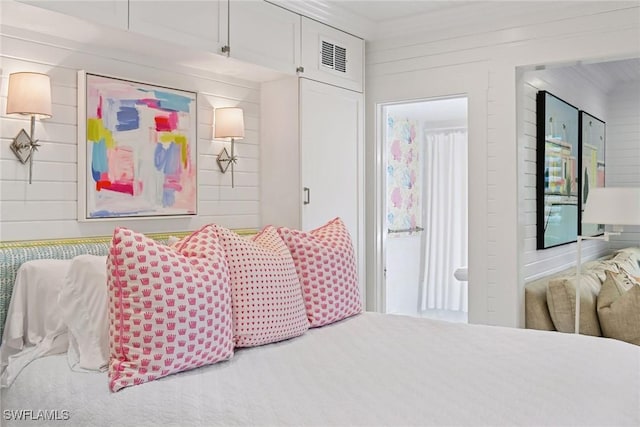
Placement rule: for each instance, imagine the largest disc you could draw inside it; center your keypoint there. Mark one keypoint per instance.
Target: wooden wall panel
(513, 36)
(47, 208)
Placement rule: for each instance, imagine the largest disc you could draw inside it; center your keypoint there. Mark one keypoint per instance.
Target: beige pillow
(561, 299)
(619, 309)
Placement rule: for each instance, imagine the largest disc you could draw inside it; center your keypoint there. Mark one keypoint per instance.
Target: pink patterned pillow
(265, 291)
(202, 243)
(167, 312)
(326, 266)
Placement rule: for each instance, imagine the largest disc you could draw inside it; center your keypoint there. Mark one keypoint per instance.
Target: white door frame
(430, 84)
(383, 188)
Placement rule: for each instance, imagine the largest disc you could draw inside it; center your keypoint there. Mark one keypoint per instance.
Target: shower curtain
(445, 236)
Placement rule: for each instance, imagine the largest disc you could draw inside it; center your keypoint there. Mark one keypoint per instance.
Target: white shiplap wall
(47, 208)
(570, 85)
(623, 148)
(494, 38)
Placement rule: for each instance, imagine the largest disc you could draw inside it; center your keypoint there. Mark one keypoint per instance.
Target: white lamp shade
(613, 206)
(229, 123)
(29, 93)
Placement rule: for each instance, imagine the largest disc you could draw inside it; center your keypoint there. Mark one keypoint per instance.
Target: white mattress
(371, 369)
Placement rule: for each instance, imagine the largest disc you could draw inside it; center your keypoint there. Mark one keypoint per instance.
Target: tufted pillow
(167, 312)
(265, 292)
(619, 309)
(326, 266)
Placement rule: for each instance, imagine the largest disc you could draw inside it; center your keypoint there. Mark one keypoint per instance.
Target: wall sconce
(229, 123)
(29, 94)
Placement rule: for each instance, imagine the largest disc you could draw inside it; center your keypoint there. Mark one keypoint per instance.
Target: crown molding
(329, 13)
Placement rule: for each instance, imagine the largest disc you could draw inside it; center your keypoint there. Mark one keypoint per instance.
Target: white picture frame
(137, 150)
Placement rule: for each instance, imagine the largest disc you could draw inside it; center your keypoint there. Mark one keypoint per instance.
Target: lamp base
(225, 160)
(24, 145)
(21, 146)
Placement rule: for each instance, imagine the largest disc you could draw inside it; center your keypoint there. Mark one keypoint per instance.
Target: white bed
(370, 369)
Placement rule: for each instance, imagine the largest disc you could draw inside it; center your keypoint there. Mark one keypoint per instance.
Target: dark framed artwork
(556, 171)
(592, 166)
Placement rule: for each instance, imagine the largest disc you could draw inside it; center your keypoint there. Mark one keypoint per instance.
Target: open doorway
(426, 208)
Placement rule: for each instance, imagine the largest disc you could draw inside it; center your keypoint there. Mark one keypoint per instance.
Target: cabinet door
(264, 34)
(113, 13)
(280, 202)
(331, 139)
(201, 25)
(331, 56)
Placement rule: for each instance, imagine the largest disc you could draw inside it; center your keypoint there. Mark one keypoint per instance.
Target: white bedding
(371, 369)
(34, 326)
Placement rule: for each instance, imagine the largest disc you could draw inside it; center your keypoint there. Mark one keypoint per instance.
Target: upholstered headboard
(14, 254)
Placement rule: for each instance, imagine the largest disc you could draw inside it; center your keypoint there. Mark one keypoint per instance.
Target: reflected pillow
(561, 299)
(619, 309)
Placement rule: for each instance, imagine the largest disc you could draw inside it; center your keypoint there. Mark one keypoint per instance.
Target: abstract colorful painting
(138, 156)
(404, 197)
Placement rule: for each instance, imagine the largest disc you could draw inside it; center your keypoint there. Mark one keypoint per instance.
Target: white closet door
(331, 135)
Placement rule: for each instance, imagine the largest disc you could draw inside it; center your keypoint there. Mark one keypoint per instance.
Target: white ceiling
(605, 76)
(378, 11)
(364, 17)
(377, 19)
(608, 75)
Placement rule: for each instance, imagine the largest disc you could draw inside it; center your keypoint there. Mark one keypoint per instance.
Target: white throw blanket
(34, 326)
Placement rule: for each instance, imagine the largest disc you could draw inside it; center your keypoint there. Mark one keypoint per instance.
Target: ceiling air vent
(333, 56)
